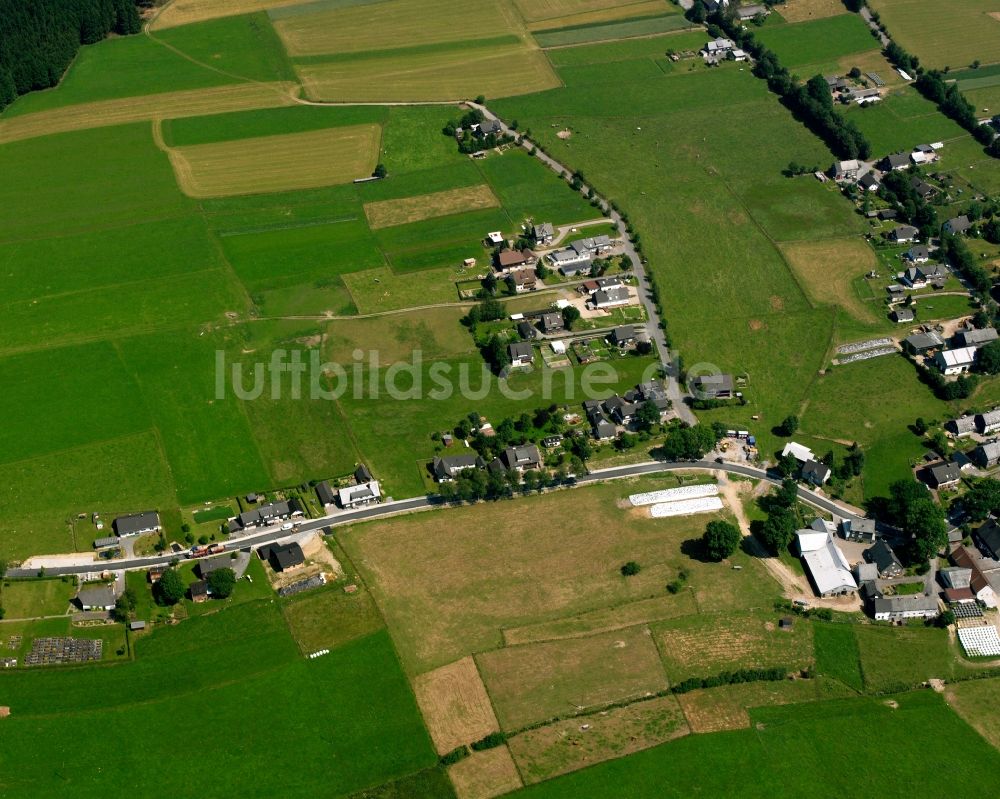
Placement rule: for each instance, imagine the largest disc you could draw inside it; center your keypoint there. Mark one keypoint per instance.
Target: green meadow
(818, 41)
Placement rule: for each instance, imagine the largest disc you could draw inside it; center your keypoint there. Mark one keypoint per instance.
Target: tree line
(39, 39)
(812, 104)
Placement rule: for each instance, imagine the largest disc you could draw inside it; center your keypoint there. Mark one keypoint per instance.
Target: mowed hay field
(574, 743)
(802, 10)
(184, 12)
(448, 591)
(443, 76)
(953, 36)
(553, 14)
(485, 774)
(537, 682)
(705, 645)
(828, 270)
(455, 705)
(978, 702)
(277, 163)
(386, 213)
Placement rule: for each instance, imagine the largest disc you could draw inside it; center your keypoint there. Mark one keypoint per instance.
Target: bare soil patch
(455, 705)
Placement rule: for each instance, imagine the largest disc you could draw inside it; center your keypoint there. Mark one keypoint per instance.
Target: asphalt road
(421, 503)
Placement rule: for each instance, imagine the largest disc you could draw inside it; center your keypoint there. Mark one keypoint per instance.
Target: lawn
(755, 762)
(330, 617)
(894, 659)
(25, 599)
(443, 596)
(901, 121)
(817, 41)
(837, 654)
(968, 32)
(351, 710)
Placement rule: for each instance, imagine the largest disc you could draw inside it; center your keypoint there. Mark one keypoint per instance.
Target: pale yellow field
(545, 14)
(647, 8)
(440, 76)
(277, 163)
(944, 34)
(181, 12)
(572, 744)
(802, 10)
(395, 24)
(386, 213)
(556, 679)
(437, 333)
(455, 705)
(484, 775)
(137, 109)
(828, 270)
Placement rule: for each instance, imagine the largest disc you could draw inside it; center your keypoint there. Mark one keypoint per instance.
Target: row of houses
(606, 416)
(271, 513)
(520, 459)
(365, 491)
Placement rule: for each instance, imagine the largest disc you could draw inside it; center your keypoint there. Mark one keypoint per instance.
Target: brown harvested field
(394, 24)
(448, 584)
(573, 744)
(828, 270)
(705, 645)
(172, 105)
(455, 705)
(555, 679)
(643, 611)
(437, 333)
(330, 617)
(446, 76)
(558, 14)
(978, 702)
(277, 163)
(387, 213)
(725, 707)
(802, 10)
(183, 12)
(484, 775)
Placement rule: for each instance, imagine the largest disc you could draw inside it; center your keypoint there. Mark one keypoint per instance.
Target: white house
(798, 451)
(897, 608)
(955, 362)
(357, 496)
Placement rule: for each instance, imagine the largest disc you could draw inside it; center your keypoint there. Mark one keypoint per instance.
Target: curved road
(423, 503)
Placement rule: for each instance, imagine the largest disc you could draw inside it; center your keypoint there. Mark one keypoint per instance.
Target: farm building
(358, 496)
(845, 171)
(451, 466)
(987, 455)
(988, 422)
(975, 338)
(137, 524)
(922, 343)
(108, 541)
(958, 596)
(865, 572)
(898, 608)
(521, 354)
(749, 12)
(96, 597)
(955, 362)
(826, 564)
(862, 530)
(885, 560)
(955, 577)
(984, 582)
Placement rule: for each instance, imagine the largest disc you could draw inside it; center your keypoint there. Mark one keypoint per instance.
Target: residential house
(543, 234)
(736, 54)
(918, 254)
(521, 354)
(923, 189)
(209, 565)
(359, 495)
(285, 557)
(869, 182)
(894, 162)
(266, 514)
(988, 422)
(815, 472)
(750, 12)
(508, 261)
(325, 494)
(988, 536)
(495, 238)
(902, 315)
(198, 590)
(526, 330)
(137, 524)
(620, 409)
(836, 83)
(846, 171)
(862, 530)
(96, 598)
(957, 225)
(904, 234)
(451, 466)
(944, 475)
(898, 608)
(614, 297)
(955, 362)
(552, 322)
(718, 386)
(718, 47)
(362, 474)
(622, 336)
(488, 127)
(711, 6)
(987, 455)
(962, 426)
(886, 213)
(826, 564)
(982, 586)
(885, 559)
(521, 458)
(525, 280)
(922, 343)
(604, 430)
(975, 338)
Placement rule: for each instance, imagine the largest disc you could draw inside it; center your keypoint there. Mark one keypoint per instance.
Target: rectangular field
(817, 41)
(26, 599)
(978, 702)
(455, 705)
(386, 213)
(277, 163)
(829, 269)
(584, 34)
(555, 679)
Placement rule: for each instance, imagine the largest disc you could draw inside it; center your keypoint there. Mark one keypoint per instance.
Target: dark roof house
(137, 523)
(885, 559)
(325, 493)
(286, 556)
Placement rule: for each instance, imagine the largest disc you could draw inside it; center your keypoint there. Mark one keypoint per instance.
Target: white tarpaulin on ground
(686, 507)
(980, 641)
(674, 494)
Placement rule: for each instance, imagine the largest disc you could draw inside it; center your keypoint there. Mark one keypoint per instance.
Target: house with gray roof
(750, 12)
(137, 524)
(902, 315)
(815, 472)
(604, 430)
(975, 338)
(962, 426)
(988, 536)
(96, 597)
(922, 343)
(862, 530)
(957, 225)
(944, 475)
(894, 162)
(613, 297)
(955, 577)
(552, 322)
(885, 559)
(325, 494)
(449, 467)
(718, 386)
(898, 608)
(521, 458)
(918, 254)
(986, 455)
(904, 234)
(988, 422)
(622, 336)
(869, 182)
(357, 496)
(521, 354)
(543, 233)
